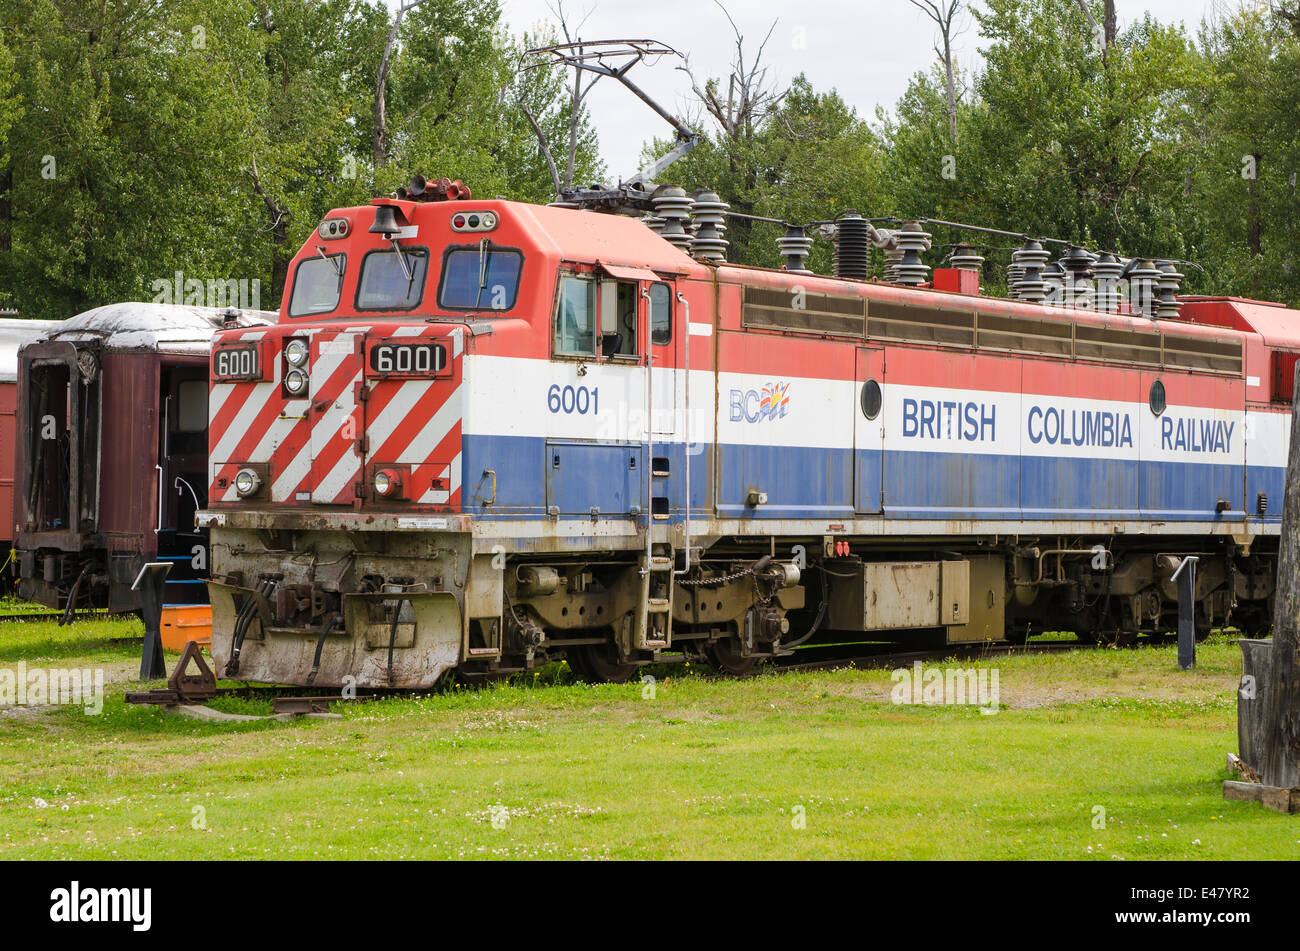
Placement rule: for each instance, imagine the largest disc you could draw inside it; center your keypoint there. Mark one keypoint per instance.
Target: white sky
(866, 49)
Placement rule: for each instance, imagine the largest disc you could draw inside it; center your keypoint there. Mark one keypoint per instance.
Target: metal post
(149, 582)
(1186, 578)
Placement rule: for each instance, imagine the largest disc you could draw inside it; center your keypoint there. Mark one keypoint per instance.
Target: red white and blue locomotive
(485, 435)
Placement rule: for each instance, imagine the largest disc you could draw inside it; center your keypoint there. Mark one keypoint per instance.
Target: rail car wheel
(599, 664)
(726, 659)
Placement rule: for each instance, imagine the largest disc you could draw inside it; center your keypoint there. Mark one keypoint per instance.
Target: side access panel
(587, 479)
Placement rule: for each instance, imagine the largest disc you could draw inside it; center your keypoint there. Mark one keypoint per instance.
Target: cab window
(596, 319)
(575, 317)
(317, 284)
(479, 279)
(392, 280)
(661, 314)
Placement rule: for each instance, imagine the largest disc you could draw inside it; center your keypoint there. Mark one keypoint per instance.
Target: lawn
(1095, 754)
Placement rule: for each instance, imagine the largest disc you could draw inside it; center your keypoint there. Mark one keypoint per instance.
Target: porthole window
(1158, 403)
(871, 399)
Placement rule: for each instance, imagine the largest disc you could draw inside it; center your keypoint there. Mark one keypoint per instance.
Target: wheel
(726, 659)
(599, 664)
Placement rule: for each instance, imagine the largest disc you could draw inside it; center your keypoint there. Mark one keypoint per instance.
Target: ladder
(654, 627)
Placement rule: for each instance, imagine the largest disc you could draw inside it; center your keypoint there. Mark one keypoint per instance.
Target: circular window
(871, 399)
(1158, 403)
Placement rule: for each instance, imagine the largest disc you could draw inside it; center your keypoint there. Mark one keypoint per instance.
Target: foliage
(210, 136)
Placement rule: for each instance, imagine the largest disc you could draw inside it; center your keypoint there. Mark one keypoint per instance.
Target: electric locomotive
(485, 435)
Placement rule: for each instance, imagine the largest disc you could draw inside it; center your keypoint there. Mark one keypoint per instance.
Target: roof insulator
(709, 212)
(1107, 269)
(1142, 277)
(911, 269)
(1031, 257)
(795, 245)
(852, 257)
(1167, 305)
(965, 258)
(1054, 280)
(1015, 270)
(674, 209)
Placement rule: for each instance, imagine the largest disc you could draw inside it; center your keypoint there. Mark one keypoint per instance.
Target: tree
(1058, 140)
(944, 14)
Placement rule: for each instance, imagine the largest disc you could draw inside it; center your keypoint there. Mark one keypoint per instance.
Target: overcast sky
(866, 49)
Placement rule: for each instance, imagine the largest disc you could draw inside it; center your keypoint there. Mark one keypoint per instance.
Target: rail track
(291, 699)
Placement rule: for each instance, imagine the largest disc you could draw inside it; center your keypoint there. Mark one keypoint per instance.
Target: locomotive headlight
(247, 482)
(387, 483)
(295, 381)
(295, 351)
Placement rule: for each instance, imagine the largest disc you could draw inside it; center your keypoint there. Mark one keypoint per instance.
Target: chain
(725, 579)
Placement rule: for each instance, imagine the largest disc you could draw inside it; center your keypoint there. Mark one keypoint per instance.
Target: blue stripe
(810, 483)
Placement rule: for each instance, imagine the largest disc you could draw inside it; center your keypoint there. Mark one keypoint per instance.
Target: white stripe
(434, 431)
(243, 421)
(343, 472)
(276, 433)
(383, 426)
(292, 476)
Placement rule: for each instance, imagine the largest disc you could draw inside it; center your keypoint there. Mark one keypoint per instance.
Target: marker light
(295, 351)
(387, 482)
(247, 482)
(295, 381)
(474, 221)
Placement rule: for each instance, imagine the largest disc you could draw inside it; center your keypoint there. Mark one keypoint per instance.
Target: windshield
(385, 282)
(316, 285)
(461, 287)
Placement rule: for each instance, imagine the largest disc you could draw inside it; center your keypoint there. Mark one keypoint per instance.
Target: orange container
(186, 622)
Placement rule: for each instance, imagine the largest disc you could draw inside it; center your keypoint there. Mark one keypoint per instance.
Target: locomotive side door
(602, 404)
(868, 430)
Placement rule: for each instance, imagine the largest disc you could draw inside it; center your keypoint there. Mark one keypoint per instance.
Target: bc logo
(771, 402)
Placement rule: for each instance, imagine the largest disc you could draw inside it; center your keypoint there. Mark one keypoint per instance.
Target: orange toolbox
(186, 622)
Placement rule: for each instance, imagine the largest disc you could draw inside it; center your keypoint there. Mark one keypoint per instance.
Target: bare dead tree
(750, 96)
(577, 92)
(944, 13)
(545, 147)
(1105, 32)
(380, 135)
(279, 217)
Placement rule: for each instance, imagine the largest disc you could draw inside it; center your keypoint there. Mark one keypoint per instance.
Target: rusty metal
(183, 687)
(301, 705)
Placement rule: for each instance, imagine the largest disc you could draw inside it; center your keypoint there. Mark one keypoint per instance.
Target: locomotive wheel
(724, 657)
(599, 664)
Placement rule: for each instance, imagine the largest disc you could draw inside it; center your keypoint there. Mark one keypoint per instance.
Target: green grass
(804, 765)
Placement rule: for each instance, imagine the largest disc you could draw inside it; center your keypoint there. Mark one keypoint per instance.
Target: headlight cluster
(296, 354)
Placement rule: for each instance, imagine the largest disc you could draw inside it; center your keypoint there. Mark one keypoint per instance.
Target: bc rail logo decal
(771, 402)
